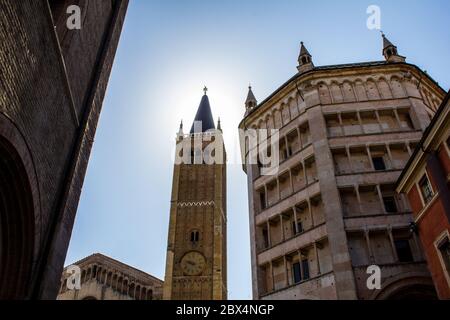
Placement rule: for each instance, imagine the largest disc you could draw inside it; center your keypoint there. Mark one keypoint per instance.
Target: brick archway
(408, 287)
(20, 214)
(16, 225)
(417, 292)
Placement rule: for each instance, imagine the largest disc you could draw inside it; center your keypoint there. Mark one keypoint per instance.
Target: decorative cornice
(411, 73)
(115, 266)
(196, 204)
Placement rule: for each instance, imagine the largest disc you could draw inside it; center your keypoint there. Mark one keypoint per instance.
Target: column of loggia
(288, 281)
(297, 231)
(252, 171)
(389, 232)
(288, 216)
(341, 260)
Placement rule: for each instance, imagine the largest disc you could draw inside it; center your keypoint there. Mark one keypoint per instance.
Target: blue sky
(169, 50)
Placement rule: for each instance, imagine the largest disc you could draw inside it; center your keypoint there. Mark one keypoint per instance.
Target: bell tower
(196, 267)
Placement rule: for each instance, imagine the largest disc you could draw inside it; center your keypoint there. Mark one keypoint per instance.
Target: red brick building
(426, 181)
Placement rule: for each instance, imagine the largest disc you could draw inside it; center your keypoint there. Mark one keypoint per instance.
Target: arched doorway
(412, 286)
(17, 225)
(414, 292)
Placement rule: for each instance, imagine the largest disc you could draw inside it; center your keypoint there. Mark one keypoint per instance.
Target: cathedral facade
(104, 278)
(344, 134)
(196, 267)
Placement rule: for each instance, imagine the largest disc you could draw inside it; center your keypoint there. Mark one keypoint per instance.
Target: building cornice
(102, 260)
(322, 72)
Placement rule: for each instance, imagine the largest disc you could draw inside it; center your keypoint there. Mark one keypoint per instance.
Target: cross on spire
(205, 90)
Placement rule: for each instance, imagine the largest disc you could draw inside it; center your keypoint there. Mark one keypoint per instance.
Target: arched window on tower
(195, 236)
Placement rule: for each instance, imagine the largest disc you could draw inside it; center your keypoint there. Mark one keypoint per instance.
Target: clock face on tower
(193, 263)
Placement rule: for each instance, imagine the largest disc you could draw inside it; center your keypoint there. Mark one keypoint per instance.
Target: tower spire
(180, 132)
(251, 101)
(390, 51)
(304, 59)
(204, 114)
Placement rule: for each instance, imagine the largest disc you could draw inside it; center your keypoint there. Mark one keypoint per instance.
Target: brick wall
(444, 158)
(432, 225)
(415, 200)
(82, 49)
(56, 118)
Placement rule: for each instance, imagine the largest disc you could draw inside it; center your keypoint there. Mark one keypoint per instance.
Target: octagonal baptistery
(330, 211)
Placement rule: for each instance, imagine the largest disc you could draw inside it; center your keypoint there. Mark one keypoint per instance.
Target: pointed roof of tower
(250, 97)
(204, 115)
(303, 50)
(180, 132)
(386, 42)
(305, 63)
(390, 51)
